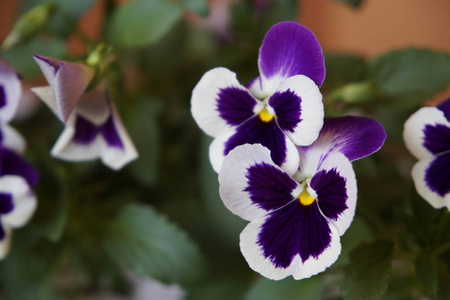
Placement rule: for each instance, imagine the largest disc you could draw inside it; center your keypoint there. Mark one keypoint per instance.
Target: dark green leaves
(143, 22)
(144, 131)
(28, 271)
(287, 289)
(426, 272)
(411, 76)
(141, 240)
(366, 275)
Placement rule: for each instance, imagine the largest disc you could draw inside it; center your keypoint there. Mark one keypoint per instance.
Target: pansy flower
(427, 137)
(94, 130)
(279, 109)
(17, 205)
(10, 92)
(93, 126)
(296, 221)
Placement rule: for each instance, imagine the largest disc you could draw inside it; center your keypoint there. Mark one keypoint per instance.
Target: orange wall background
(378, 25)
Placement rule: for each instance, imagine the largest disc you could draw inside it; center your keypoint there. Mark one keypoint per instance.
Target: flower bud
(28, 25)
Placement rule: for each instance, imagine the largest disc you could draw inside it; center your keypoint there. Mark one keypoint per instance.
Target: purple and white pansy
(279, 109)
(10, 92)
(94, 130)
(296, 221)
(427, 137)
(17, 176)
(17, 205)
(93, 126)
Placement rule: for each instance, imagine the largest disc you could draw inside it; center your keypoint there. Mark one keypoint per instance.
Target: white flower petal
(12, 139)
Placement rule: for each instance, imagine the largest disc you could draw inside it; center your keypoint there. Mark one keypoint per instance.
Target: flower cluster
(17, 176)
(427, 136)
(93, 126)
(281, 165)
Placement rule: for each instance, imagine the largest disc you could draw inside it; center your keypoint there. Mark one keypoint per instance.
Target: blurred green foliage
(161, 217)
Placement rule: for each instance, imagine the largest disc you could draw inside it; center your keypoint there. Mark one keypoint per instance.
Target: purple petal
(355, 137)
(6, 203)
(331, 192)
(86, 132)
(269, 187)
(287, 107)
(291, 49)
(445, 107)
(256, 131)
(110, 134)
(437, 175)
(13, 164)
(2, 96)
(436, 138)
(235, 105)
(294, 229)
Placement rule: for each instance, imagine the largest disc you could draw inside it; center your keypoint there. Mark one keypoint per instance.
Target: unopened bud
(28, 25)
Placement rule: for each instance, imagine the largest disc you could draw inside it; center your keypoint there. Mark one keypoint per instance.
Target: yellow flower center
(265, 116)
(305, 198)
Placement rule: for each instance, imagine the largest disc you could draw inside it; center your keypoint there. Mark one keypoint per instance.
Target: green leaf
(444, 279)
(143, 128)
(28, 271)
(426, 272)
(51, 217)
(344, 69)
(222, 288)
(142, 240)
(143, 22)
(357, 233)
(198, 6)
(352, 3)
(366, 276)
(21, 57)
(288, 289)
(411, 76)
